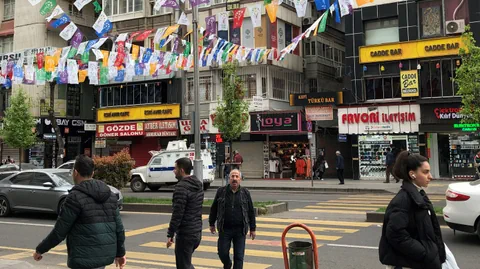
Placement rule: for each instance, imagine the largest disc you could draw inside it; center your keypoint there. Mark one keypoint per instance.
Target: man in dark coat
(340, 165)
(233, 212)
(186, 222)
(90, 220)
(389, 162)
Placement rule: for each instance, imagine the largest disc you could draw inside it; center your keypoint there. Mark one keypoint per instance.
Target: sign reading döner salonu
(120, 129)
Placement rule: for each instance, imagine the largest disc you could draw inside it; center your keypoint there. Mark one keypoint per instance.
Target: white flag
(79, 4)
(93, 73)
(68, 32)
(98, 25)
(301, 7)
(99, 43)
(112, 72)
(256, 14)
(72, 71)
(81, 48)
(159, 4)
(98, 54)
(159, 35)
(183, 19)
(222, 19)
(3, 66)
(111, 59)
(346, 7)
(34, 2)
(57, 11)
(121, 37)
(29, 71)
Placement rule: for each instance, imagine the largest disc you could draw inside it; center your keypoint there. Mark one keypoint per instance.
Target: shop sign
(409, 83)
(163, 125)
(161, 133)
(120, 129)
(448, 113)
(258, 102)
(186, 127)
(316, 98)
(74, 140)
(100, 143)
(49, 136)
(90, 127)
(467, 127)
(319, 113)
(151, 112)
(28, 52)
(342, 138)
(275, 122)
(382, 119)
(412, 50)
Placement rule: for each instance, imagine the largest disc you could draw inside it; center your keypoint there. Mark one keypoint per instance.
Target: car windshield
(63, 178)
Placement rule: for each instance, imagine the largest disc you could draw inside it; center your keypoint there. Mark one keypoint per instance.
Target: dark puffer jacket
(187, 207)
(90, 220)
(411, 235)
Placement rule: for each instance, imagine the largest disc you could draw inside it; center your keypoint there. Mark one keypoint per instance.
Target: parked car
(68, 165)
(462, 212)
(42, 190)
(16, 167)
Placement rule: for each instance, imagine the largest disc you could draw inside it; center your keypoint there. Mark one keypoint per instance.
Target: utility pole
(197, 163)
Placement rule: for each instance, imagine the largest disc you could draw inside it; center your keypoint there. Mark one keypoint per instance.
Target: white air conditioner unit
(455, 27)
(307, 21)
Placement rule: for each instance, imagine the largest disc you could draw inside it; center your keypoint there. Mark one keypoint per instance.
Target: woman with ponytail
(411, 235)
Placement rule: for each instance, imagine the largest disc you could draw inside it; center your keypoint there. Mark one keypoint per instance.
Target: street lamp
(197, 163)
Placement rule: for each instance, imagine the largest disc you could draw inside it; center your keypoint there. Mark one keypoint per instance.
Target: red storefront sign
(120, 129)
(186, 127)
(376, 117)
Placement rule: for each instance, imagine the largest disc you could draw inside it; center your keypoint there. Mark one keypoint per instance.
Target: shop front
(450, 144)
(375, 128)
(139, 129)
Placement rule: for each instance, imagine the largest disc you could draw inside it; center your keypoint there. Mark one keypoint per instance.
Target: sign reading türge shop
(150, 112)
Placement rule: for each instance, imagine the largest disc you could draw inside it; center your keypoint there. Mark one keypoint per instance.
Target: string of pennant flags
(71, 65)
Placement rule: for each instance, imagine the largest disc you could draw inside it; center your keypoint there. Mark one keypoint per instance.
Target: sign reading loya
(409, 83)
(275, 122)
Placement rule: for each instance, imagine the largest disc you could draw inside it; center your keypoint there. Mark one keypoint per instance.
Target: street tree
(466, 78)
(231, 115)
(18, 124)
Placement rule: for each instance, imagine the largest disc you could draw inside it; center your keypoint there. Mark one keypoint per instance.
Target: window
(6, 44)
(157, 161)
(312, 84)
(8, 9)
(313, 47)
(431, 20)
(22, 179)
(286, 83)
(436, 78)
(73, 11)
(116, 7)
(144, 93)
(307, 48)
(381, 31)
(73, 100)
(288, 34)
(206, 90)
(39, 179)
(250, 85)
(217, 2)
(382, 88)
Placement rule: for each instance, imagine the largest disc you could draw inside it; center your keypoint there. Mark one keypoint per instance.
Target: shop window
(431, 19)
(264, 86)
(382, 88)
(130, 95)
(381, 31)
(321, 49)
(436, 78)
(116, 95)
(136, 94)
(109, 97)
(8, 9)
(447, 76)
(396, 88)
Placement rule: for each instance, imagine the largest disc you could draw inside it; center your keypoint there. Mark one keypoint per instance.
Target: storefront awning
(7, 28)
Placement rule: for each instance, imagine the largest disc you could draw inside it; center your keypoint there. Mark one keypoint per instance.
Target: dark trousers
(225, 240)
(340, 175)
(185, 245)
(388, 172)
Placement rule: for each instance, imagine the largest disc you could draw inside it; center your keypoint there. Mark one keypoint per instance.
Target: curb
(156, 208)
(318, 190)
(378, 217)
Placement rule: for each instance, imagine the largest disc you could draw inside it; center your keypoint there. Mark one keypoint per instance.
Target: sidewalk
(331, 185)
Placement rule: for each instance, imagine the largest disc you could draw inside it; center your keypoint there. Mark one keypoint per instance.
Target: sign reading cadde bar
(409, 83)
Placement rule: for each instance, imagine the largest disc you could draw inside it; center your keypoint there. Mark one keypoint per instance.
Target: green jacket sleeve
(120, 235)
(68, 215)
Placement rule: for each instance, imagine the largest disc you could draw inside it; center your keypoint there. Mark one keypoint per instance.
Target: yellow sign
(411, 50)
(409, 83)
(149, 112)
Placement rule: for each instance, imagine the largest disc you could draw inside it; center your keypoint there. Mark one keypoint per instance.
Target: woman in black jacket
(411, 236)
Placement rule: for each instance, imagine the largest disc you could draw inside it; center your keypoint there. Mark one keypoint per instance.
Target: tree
(232, 112)
(467, 79)
(18, 123)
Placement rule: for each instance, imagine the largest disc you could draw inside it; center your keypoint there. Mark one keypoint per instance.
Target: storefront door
(444, 155)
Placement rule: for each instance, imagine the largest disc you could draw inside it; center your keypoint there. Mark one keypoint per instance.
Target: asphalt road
(346, 240)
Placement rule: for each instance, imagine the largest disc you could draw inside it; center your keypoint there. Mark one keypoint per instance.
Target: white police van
(159, 170)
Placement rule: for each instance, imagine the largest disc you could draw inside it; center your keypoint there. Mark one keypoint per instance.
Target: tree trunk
(20, 158)
(51, 117)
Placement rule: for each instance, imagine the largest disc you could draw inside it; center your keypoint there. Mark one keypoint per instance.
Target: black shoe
(341, 183)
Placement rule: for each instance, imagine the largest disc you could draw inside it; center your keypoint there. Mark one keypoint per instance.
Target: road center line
(351, 246)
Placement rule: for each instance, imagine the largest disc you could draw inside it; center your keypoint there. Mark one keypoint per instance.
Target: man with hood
(186, 222)
(90, 220)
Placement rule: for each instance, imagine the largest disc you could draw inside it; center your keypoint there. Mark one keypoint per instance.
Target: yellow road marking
(329, 211)
(315, 229)
(212, 249)
(147, 230)
(196, 261)
(342, 204)
(317, 222)
(159, 264)
(294, 235)
(17, 256)
(374, 199)
(341, 207)
(358, 202)
(267, 243)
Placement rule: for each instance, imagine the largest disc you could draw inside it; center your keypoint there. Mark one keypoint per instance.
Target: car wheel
(4, 207)
(137, 185)
(478, 228)
(206, 186)
(154, 188)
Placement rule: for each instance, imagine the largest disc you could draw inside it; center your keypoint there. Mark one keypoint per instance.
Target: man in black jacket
(90, 220)
(340, 165)
(234, 214)
(186, 222)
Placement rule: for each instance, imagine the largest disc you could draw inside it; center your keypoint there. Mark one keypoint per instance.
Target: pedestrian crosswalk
(356, 204)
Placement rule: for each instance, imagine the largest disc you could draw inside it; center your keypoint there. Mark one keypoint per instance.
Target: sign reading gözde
(409, 83)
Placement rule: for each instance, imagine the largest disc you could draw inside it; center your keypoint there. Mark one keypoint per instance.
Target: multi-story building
(403, 56)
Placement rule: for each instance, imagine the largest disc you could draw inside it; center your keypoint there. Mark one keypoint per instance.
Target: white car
(462, 212)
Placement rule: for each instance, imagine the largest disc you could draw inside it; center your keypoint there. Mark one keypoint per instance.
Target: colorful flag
(77, 39)
(323, 23)
(82, 75)
(102, 25)
(99, 43)
(238, 15)
(103, 75)
(97, 6)
(183, 20)
(49, 63)
(171, 3)
(61, 21)
(120, 76)
(272, 12)
(135, 51)
(144, 35)
(158, 4)
(93, 72)
(72, 53)
(194, 3)
(256, 14)
(82, 47)
(72, 71)
(40, 76)
(34, 2)
(57, 11)
(47, 7)
(79, 4)
(346, 7)
(337, 12)
(170, 30)
(222, 21)
(301, 7)
(68, 32)
(85, 57)
(40, 59)
(322, 4)
(211, 25)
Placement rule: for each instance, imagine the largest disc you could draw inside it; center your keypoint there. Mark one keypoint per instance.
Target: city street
(345, 239)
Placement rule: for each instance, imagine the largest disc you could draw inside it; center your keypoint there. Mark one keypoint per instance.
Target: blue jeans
(225, 240)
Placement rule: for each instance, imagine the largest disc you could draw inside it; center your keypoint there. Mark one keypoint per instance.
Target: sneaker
(292, 179)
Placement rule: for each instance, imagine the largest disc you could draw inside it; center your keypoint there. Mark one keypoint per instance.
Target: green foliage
(114, 170)
(18, 124)
(467, 79)
(232, 112)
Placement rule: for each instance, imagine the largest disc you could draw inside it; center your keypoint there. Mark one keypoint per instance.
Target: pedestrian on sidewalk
(233, 212)
(411, 235)
(476, 163)
(340, 165)
(319, 167)
(90, 220)
(186, 222)
(237, 159)
(389, 162)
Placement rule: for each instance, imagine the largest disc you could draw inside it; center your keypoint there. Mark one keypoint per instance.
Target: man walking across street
(237, 159)
(233, 212)
(186, 222)
(389, 162)
(90, 220)
(340, 165)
